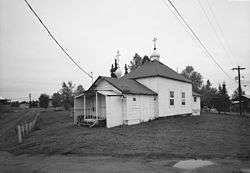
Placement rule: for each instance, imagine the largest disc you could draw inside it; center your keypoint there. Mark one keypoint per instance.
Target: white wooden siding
(150, 82)
(140, 110)
(133, 109)
(163, 86)
(104, 85)
(196, 106)
(114, 116)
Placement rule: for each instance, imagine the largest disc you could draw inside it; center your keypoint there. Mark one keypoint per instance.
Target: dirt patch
(192, 164)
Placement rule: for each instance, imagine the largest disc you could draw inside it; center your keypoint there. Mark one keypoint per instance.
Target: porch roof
(103, 92)
(126, 86)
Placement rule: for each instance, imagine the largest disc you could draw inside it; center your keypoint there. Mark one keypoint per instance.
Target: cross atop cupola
(154, 40)
(155, 55)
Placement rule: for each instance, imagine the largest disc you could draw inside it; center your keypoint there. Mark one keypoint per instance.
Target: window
(195, 99)
(171, 101)
(134, 99)
(183, 98)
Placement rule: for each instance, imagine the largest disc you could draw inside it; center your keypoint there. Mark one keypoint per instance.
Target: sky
(93, 31)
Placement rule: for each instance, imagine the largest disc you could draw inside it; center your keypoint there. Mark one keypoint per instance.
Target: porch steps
(91, 121)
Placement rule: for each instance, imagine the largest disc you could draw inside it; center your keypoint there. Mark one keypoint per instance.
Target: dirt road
(103, 164)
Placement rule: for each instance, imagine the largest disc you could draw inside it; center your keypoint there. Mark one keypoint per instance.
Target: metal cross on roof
(154, 40)
(117, 56)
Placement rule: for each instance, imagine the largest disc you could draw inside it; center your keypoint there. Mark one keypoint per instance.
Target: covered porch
(90, 108)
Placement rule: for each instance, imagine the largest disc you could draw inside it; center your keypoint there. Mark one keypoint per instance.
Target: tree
(126, 69)
(208, 85)
(194, 76)
(15, 104)
(221, 102)
(56, 99)
(67, 95)
(113, 69)
(136, 62)
(208, 93)
(112, 72)
(34, 103)
(79, 90)
(145, 59)
(44, 101)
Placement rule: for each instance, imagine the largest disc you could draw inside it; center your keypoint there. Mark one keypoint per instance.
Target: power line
(220, 29)
(195, 36)
(52, 36)
(213, 28)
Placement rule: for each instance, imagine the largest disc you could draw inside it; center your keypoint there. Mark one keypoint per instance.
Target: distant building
(4, 101)
(50, 103)
(24, 105)
(245, 101)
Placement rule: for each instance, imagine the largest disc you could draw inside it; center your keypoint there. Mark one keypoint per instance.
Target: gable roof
(243, 97)
(126, 86)
(196, 94)
(153, 69)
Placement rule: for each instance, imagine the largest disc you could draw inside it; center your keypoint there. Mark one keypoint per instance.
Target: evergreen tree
(208, 85)
(112, 70)
(126, 69)
(208, 93)
(145, 59)
(222, 101)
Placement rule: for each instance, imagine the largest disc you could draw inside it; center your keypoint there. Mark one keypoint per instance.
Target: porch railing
(91, 113)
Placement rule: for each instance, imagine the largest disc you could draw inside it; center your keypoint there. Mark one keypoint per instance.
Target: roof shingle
(153, 69)
(128, 86)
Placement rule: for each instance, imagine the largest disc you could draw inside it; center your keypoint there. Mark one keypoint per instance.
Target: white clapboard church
(151, 91)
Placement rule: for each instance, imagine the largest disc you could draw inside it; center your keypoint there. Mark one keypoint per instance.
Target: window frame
(183, 99)
(171, 98)
(195, 99)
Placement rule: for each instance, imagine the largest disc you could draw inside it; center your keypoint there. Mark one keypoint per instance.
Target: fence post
(29, 127)
(19, 134)
(22, 129)
(26, 129)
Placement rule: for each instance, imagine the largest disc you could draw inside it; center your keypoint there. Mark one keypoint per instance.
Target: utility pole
(30, 99)
(239, 87)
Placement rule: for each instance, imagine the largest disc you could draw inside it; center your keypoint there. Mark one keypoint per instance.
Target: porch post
(75, 111)
(84, 106)
(96, 106)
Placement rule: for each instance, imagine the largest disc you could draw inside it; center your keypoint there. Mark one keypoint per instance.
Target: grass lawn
(205, 136)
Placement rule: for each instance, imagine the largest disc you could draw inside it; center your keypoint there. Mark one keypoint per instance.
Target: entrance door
(134, 116)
